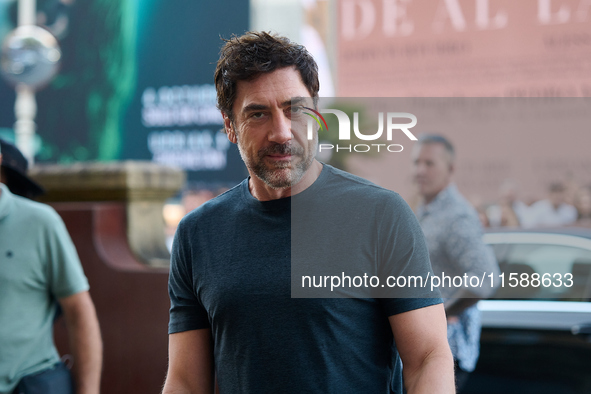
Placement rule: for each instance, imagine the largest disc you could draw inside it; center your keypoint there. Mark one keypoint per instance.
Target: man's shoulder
(568, 208)
(218, 208)
(347, 184)
(541, 204)
(36, 211)
(456, 205)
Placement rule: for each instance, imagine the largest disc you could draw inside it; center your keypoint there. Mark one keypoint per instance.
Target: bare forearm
(174, 389)
(87, 348)
(168, 389)
(178, 386)
(190, 363)
(433, 376)
(421, 338)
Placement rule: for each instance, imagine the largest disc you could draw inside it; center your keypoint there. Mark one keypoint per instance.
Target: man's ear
(229, 128)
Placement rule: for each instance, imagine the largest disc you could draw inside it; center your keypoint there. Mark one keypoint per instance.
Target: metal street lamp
(29, 61)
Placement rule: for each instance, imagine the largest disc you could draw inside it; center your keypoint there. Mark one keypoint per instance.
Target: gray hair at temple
(431, 139)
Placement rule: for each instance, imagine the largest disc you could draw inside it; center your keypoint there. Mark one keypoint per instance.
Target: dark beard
(286, 174)
(277, 178)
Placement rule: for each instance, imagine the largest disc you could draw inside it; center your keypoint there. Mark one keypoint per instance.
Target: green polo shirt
(38, 264)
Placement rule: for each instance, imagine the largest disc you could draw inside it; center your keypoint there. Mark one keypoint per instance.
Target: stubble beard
(283, 174)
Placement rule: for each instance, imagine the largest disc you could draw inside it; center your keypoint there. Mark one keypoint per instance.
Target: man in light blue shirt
(39, 268)
(454, 237)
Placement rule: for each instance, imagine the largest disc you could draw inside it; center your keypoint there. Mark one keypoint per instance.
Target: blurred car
(536, 337)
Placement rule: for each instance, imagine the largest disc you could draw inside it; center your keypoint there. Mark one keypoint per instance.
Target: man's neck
(428, 200)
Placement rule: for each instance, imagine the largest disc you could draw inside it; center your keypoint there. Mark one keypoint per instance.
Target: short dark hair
(430, 139)
(246, 57)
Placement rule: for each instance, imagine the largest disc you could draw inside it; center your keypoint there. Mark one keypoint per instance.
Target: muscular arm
(190, 363)
(421, 339)
(85, 341)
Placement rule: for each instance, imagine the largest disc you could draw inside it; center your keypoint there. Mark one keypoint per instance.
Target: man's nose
(419, 169)
(281, 129)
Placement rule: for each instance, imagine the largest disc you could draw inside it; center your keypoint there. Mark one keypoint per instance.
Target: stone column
(142, 186)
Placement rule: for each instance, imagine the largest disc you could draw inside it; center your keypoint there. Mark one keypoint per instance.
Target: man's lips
(281, 153)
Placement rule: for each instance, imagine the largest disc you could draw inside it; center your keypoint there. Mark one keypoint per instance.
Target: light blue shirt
(38, 264)
(454, 236)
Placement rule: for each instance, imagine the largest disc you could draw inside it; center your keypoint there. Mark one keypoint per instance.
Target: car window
(544, 271)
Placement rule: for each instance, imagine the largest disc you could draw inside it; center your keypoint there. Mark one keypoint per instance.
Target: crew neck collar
(281, 203)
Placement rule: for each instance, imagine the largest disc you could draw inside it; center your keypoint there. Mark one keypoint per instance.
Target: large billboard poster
(136, 82)
(474, 48)
(533, 53)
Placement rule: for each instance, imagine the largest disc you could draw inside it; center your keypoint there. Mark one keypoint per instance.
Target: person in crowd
(583, 206)
(553, 211)
(39, 269)
(509, 211)
(454, 238)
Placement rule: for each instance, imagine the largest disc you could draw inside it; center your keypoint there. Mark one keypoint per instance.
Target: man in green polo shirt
(39, 266)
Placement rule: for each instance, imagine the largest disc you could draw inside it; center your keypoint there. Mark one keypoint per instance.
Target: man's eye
(298, 110)
(257, 115)
(295, 112)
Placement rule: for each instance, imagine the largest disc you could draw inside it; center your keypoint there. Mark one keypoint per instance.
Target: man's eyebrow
(286, 103)
(254, 107)
(296, 101)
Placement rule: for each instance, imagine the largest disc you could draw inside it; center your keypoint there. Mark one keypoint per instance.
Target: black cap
(15, 167)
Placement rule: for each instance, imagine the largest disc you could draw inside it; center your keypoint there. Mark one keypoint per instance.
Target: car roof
(583, 232)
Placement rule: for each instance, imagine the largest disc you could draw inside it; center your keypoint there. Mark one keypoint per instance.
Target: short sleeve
(66, 276)
(186, 311)
(404, 258)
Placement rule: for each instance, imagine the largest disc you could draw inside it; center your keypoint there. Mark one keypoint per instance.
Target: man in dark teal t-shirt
(233, 318)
